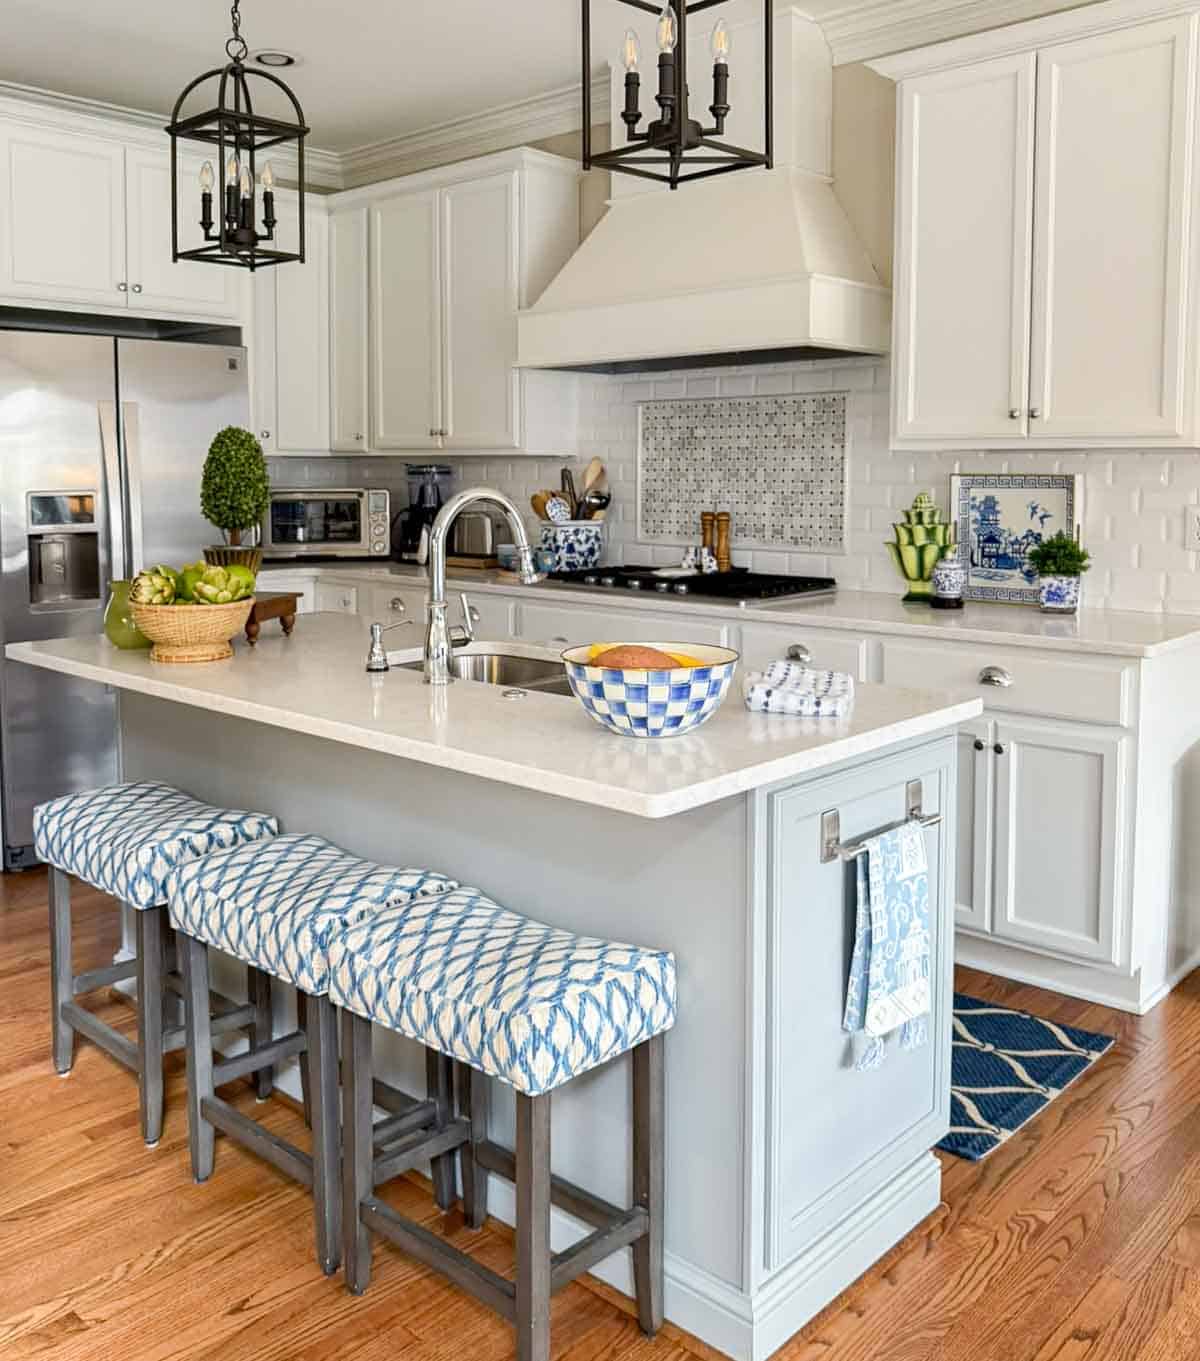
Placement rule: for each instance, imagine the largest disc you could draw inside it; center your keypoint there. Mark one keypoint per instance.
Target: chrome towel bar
(831, 827)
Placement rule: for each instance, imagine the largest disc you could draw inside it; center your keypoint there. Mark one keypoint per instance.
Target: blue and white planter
(573, 546)
(1058, 595)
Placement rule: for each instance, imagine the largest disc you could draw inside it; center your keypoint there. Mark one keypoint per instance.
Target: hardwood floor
(1079, 1240)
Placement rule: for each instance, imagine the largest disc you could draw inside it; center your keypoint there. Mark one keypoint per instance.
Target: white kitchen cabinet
(406, 322)
(569, 626)
(976, 800)
(291, 338)
(1045, 246)
(763, 643)
(273, 581)
(157, 284)
(62, 216)
(348, 330)
(1060, 838)
(338, 597)
(391, 604)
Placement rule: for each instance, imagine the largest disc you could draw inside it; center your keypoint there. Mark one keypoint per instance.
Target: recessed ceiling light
(269, 56)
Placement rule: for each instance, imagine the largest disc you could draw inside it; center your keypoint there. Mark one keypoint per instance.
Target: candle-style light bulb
(267, 178)
(631, 50)
(232, 168)
(207, 177)
(721, 42)
(245, 183)
(668, 33)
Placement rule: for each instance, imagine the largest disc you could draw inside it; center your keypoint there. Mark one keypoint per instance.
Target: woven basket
(192, 633)
(227, 555)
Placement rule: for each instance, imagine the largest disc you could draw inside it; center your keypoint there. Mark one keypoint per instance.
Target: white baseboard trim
(1122, 994)
(1171, 982)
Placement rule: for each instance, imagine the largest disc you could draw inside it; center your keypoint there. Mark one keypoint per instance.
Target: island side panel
(681, 883)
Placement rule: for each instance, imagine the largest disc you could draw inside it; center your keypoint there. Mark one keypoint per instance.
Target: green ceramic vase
(118, 622)
(921, 542)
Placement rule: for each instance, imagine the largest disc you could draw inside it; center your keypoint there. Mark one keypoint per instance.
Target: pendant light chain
(236, 47)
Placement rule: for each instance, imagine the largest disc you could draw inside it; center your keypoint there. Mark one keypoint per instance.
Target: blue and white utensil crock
(1058, 595)
(640, 703)
(573, 546)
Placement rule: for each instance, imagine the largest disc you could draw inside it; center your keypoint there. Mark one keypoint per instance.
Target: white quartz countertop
(1117, 633)
(315, 683)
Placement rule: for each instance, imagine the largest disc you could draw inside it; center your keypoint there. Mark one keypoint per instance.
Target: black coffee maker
(428, 488)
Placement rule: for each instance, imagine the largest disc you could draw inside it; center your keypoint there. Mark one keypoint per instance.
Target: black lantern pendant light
(682, 148)
(238, 136)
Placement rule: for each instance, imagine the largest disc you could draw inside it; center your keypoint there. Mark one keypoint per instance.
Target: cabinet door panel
(302, 337)
(1060, 838)
(406, 324)
(763, 643)
(348, 311)
(965, 185)
(973, 908)
(479, 292)
(582, 624)
(156, 283)
(1110, 297)
(62, 230)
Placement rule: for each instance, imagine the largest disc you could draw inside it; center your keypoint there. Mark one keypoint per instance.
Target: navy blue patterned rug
(1006, 1067)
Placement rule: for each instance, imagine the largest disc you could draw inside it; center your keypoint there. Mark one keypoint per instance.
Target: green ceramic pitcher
(118, 621)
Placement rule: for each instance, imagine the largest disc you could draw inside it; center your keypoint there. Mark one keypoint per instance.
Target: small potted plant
(1059, 562)
(234, 494)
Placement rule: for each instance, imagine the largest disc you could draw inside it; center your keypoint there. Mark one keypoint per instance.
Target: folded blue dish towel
(889, 973)
(799, 690)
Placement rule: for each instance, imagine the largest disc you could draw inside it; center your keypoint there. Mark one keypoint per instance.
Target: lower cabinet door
(338, 597)
(973, 892)
(1061, 838)
(763, 643)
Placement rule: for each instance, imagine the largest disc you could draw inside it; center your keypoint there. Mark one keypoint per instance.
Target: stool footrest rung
(111, 1041)
(290, 1160)
(627, 1228)
(418, 1147)
(484, 1284)
(103, 978)
(397, 1126)
(266, 1056)
(577, 1202)
(392, 1099)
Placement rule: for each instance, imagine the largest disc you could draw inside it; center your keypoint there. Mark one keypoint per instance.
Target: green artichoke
(185, 590)
(153, 587)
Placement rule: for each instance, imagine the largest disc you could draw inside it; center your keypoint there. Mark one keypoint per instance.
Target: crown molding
(875, 28)
(511, 125)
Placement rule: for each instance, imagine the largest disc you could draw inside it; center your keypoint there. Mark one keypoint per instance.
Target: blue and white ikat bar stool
(124, 840)
(276, 906)
(509, 998)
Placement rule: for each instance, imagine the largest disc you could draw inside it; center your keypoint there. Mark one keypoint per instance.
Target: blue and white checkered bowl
(653, 703)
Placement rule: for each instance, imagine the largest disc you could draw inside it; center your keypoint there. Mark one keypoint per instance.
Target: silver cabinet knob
(1014, 413)
(996, 676)
(358, 437)
(137, 288)
(122, 287)
(1035, 413)
(264, 434)
(432, 433)
(799, 653)
(397, 605)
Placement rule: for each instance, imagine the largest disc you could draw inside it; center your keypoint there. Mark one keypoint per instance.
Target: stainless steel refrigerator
(102, 443)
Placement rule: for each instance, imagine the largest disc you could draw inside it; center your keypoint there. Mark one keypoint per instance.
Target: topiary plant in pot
(234, 494)
(1059, 562)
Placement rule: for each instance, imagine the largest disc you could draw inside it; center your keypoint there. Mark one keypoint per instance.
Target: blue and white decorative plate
(639, 703)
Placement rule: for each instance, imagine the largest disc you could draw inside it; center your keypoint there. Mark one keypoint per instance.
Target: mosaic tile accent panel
(776, 463)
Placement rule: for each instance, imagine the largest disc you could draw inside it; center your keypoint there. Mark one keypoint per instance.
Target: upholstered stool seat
(533, 1006)
(277, 906)
(124, 840)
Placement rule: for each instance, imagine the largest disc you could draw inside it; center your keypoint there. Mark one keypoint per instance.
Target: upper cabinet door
(348, 308)
(1111, 305)
(157, 283)
(62, 226)
(302, 334)
(964, 214)
(406, 324)
(479, 299)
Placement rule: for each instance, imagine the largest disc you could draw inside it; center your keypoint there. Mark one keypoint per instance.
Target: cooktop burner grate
(739, 586)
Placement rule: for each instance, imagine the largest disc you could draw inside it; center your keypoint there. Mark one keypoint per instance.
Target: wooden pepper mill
(724, 524)
(708, 530)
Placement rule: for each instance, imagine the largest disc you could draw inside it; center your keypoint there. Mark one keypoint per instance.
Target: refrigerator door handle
(133, 483)
(118, 559)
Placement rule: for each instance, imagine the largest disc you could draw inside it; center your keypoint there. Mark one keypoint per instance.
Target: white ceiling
(372, 70)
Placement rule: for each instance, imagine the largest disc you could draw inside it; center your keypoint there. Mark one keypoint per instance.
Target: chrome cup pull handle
(996, 676)
(798, 652)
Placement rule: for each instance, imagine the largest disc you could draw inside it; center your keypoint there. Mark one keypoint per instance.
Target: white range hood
(758, 261)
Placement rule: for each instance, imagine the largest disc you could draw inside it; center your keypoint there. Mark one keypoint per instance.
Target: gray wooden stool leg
(150, 1021)
(438, 1079)
(302, 1024)
(199, 1054)
(321, 1060)
(357, 1150)
(533, 1228)
(649, 1178)
(61, 1035)
(473, 1102)
(258, 987)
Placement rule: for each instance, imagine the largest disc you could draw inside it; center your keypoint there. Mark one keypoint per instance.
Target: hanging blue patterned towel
(889, 972)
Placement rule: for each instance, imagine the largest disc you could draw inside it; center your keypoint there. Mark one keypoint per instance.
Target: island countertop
(315, 683)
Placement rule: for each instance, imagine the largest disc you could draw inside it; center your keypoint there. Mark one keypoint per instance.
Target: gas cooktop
(738, 587)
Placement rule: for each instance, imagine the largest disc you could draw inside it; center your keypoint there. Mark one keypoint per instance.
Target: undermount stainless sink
(505, 668)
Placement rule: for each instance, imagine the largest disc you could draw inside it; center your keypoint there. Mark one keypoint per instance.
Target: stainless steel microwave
(322, 523)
